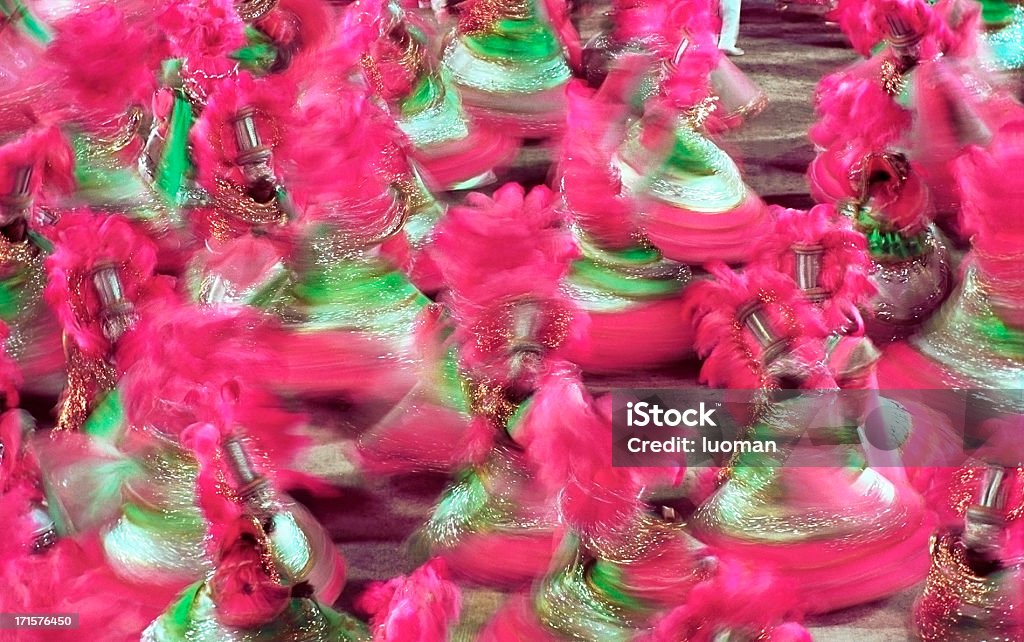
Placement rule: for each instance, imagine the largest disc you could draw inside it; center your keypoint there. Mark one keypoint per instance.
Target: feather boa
(496, 251)
(732, 357)
(420, 607)
(845, 264)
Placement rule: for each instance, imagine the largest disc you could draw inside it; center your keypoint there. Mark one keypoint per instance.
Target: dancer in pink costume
(630, 292)
(692, 202)
(133, 387)
(819, 517)
(35, 174)
(861, 171)
(829, 262)
(620, 564)
(454, 150)
(264, 247)
(929, 68)
(974, 590)
(511, 60)
(649, 193)
(251, 593)
(43, 571)
(504, 259)
(974, 341)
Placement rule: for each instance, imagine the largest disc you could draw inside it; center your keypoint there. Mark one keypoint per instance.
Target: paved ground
(787, 52)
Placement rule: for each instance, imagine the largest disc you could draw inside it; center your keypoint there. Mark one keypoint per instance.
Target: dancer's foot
(733, 51)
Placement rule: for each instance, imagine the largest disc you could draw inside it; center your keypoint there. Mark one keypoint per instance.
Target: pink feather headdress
(192, 364)
(827, 258)
(502, 256)
(992, 197)
(344, 134)
(420, 607)
(88, 248)
(104, 64)
(744, 321)
(240, 127)
(38, 165)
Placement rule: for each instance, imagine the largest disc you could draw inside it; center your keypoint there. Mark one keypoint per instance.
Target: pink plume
(201, 28)
(737, 599)
(104, 63)
(855, 109)
(419, 607)
(84, 240)
(50, 157)
(501, 249)
(856, 19)
(732, 357)
(212, 137)
(845, 264)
